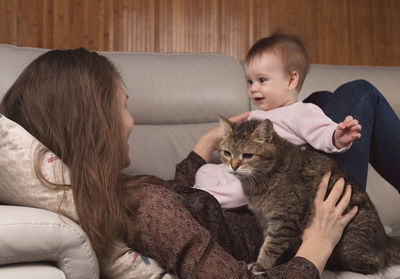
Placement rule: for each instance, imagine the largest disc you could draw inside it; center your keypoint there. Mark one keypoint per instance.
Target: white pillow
(19, 185)
(124, 263)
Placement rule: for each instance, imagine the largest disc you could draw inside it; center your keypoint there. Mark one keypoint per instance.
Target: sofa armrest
(33, 235)
(31, 271)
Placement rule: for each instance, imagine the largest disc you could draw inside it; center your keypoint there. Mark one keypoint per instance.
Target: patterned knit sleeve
(189, 235)
(185, 171)
(297, 268)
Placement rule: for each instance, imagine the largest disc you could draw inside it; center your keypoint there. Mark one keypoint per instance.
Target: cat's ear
(226, 124)
(264, 131)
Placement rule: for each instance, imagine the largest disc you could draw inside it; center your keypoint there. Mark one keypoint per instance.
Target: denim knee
(362, 89)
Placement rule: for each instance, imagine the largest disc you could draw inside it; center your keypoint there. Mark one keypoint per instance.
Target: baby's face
(269, 82)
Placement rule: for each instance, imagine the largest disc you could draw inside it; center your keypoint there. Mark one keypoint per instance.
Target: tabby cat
(280, 180)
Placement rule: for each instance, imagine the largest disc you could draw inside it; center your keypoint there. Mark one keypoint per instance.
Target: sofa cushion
(196, 87)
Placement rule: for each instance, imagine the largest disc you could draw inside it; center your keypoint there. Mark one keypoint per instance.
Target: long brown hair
(67, 99)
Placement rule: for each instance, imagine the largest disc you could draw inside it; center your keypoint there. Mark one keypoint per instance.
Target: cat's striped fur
(280, 181)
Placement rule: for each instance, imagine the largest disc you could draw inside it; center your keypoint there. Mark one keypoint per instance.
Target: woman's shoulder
(144, 179)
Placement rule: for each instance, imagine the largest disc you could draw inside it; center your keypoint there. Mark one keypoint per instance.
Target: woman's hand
(208, 143)
(328, 223)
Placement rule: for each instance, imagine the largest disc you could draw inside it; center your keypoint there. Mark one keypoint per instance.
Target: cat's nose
(235, 165)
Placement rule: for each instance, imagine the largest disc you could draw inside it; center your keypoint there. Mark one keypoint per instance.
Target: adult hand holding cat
(346, 132)
(325, 231)
(208, 143)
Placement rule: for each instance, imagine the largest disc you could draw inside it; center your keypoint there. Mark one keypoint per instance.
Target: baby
(276, 67)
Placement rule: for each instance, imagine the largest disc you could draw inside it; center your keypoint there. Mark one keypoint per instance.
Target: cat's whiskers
(254, 178)
(260, 176)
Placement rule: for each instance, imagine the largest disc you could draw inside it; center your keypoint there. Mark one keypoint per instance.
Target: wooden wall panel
(354, 32)
(233, 27)
(131, 25)
(187, 26)
(8, 22)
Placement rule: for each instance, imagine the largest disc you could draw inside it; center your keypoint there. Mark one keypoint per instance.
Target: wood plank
(354, 32)
(29, 22)
(8, 22)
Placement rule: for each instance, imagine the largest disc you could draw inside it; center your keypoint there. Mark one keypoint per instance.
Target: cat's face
(247, 148)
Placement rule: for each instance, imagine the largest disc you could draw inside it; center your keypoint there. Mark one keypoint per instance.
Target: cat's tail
(393, 251)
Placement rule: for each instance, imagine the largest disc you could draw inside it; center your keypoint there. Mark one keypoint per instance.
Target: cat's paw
(256, 268)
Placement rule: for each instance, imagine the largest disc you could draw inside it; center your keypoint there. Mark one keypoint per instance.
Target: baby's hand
(346, 132)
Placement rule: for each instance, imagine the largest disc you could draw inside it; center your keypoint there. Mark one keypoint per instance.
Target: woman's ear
(293, 80)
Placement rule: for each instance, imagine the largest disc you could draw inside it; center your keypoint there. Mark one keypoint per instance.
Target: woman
(73, 102)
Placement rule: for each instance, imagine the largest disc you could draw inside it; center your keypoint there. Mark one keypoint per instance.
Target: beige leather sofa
(174, 98)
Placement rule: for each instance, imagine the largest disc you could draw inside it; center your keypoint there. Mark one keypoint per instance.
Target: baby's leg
(380, 140)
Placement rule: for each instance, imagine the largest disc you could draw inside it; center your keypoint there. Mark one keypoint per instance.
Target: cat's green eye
(247, 155)
(227, 153)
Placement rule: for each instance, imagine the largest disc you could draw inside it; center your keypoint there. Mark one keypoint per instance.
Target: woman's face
(127, 125)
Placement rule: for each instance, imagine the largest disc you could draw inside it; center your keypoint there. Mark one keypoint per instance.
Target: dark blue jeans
(380, 134)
